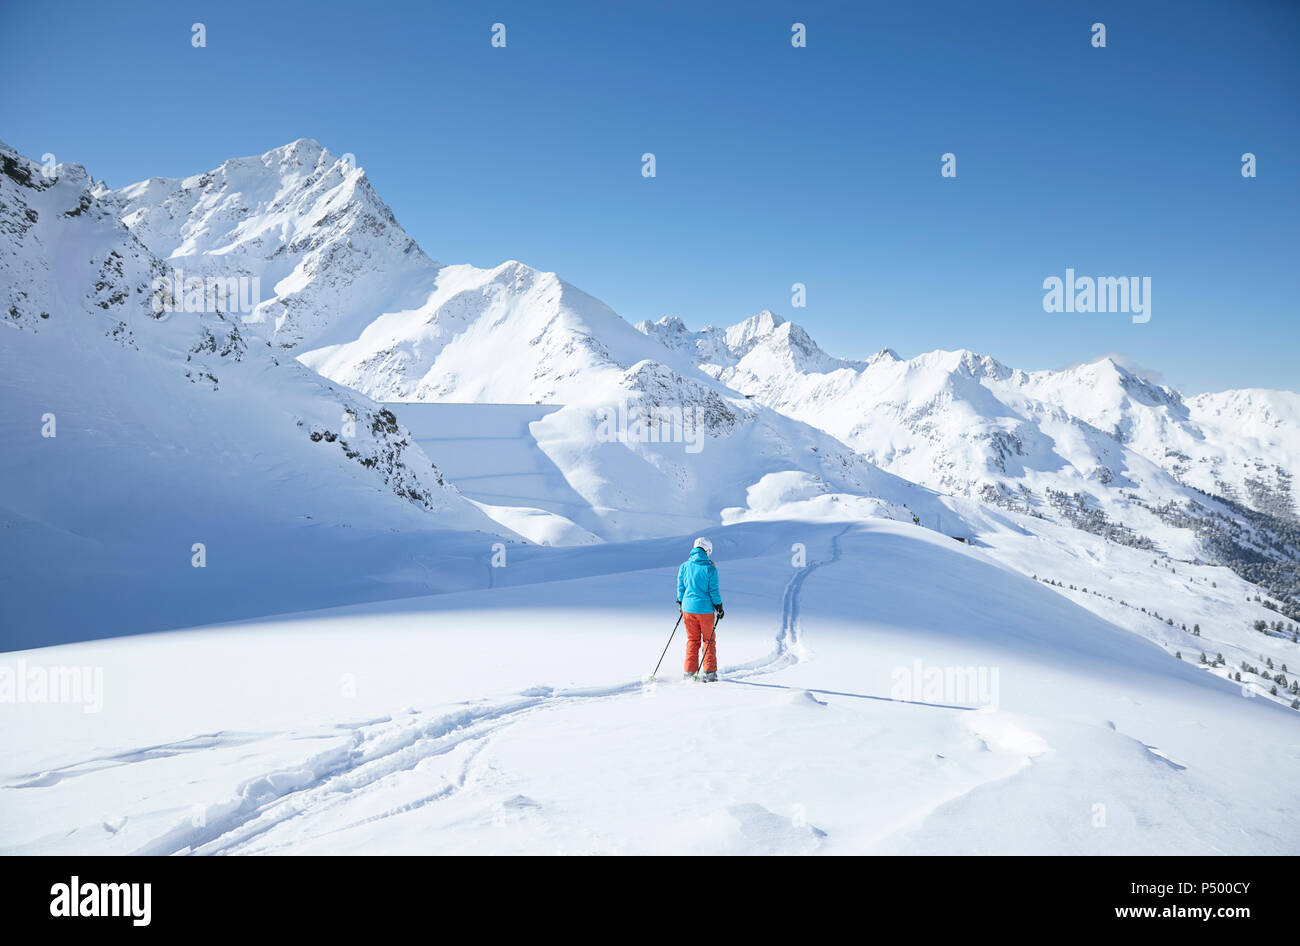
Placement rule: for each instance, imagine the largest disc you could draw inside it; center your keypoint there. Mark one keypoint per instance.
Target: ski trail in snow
(202, 741)
(340, 773)
(789, 646)
(374, 753)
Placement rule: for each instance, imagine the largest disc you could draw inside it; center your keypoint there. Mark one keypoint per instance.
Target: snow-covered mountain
(133, 437)
(768, 342)
(964, 423)
(654, 423)
(352, 296)
(1095, 446)
(279, 473)
(641, 433)
(328, 254)
(1238, 444)
(509, 334)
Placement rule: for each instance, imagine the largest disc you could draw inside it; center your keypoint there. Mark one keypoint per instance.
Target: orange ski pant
(700, 626)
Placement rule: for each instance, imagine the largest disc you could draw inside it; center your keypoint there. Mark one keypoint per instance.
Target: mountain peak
(514, 267)
(669, 329)
(1138, 382)
(305, 150)
(966, 362)
(764, 323)
(743, 336)
(1110, 364)
(286, 217)
(300, 161)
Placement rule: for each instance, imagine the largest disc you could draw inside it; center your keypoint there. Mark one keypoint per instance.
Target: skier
(698, 599)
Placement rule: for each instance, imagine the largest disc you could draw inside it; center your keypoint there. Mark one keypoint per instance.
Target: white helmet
(703, 543)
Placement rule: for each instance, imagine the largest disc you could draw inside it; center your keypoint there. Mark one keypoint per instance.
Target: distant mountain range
(352, 318)
(962, 422)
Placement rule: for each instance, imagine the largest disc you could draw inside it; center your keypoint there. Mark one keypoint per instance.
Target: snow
(489, 452)
(439, 537)
(519, 720)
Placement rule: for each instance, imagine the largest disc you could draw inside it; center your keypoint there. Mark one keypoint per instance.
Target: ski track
(377, 750)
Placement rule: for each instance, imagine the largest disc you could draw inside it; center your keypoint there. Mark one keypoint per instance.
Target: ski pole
(705, 652)
(666, 646)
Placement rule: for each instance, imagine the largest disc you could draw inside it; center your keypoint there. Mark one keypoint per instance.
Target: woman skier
(698, 599)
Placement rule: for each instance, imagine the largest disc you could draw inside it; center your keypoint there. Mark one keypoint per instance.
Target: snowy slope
(509, 334)
(176, 431)
(489, 452)
(1251, 448)
(989, 715)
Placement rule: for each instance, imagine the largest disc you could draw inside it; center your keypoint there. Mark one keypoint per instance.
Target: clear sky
(775, 164)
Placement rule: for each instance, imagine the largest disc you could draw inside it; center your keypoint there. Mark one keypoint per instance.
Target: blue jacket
(697, 584)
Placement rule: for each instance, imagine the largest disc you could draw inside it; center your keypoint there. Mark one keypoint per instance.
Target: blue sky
(775, 165)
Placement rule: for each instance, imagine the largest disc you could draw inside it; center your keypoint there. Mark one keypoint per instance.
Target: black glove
(679, 605)
(721, 613)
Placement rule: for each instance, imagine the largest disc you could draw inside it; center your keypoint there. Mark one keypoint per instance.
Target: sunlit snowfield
(520, 719)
